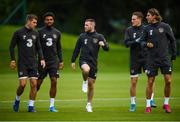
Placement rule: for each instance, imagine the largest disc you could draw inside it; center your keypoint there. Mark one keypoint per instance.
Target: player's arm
(127, 39)
(40, 53)
(59, 52)
(103, 43)
(170, 36)
(12, 45)
(144, 42)
(76, 52)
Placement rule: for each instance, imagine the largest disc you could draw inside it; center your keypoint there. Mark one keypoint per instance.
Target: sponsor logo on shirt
(150, 32)
(24, 36)
(134, 35)
(44, 35)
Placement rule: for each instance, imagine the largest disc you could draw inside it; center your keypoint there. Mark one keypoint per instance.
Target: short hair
(91, 20)
(155, 12)
(30, 17)
(49, 14)
(138, 14)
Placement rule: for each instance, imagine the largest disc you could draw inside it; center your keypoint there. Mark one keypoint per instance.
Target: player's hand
(150, 45)
(43, 64)
(13, 64)
(101, 43)
(61, 65)
(73, 66)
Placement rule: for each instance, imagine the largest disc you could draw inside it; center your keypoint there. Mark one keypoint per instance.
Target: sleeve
(13, 43)
(39, 48)
(59, 49)
(170, 36)
(127, 41)
(106, 45)
(76, 50)
(143, 38)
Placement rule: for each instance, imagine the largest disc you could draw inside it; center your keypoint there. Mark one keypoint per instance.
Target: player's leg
(52, 94)
(19, 91)
(23, 75)
(90, 94)
(85, 72)
(33, 76)
(91, 81)
(42, 75)
(167, 91)
(134, 79)
(53, 74)
(149, 90)
(166, 71)
(135, 70)
(32, 94)
(152, 95)
(153, 105)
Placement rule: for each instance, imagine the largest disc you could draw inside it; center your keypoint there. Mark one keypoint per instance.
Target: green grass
(111, 100)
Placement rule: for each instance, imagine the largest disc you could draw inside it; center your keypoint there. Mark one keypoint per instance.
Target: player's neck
(27, 26)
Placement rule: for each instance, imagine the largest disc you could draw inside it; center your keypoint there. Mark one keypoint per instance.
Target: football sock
(133, 100)
(51, 102)
(166, 100)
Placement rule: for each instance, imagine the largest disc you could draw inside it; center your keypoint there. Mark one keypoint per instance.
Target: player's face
(150, 18)
(88, 26)
(49, 21)
(32, 23)
(135, 20)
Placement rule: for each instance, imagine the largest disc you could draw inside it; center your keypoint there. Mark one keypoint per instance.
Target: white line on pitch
(95, 99)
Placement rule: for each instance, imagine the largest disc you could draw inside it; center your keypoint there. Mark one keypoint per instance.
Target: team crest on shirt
(95, 40)
(161, 30)
(85, 41)
(54, 36)
(34, 36)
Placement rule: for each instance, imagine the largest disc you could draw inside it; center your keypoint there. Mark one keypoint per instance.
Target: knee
(22, 86)
(86, 70)
(168, 82)
(90, 85)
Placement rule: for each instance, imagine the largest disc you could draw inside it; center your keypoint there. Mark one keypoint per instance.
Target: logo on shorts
(20, 73)
(147, 71)
(161, 30)
(95, 40)
(34, 36)
(132, 71)
(54, 36)
(170, 69)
